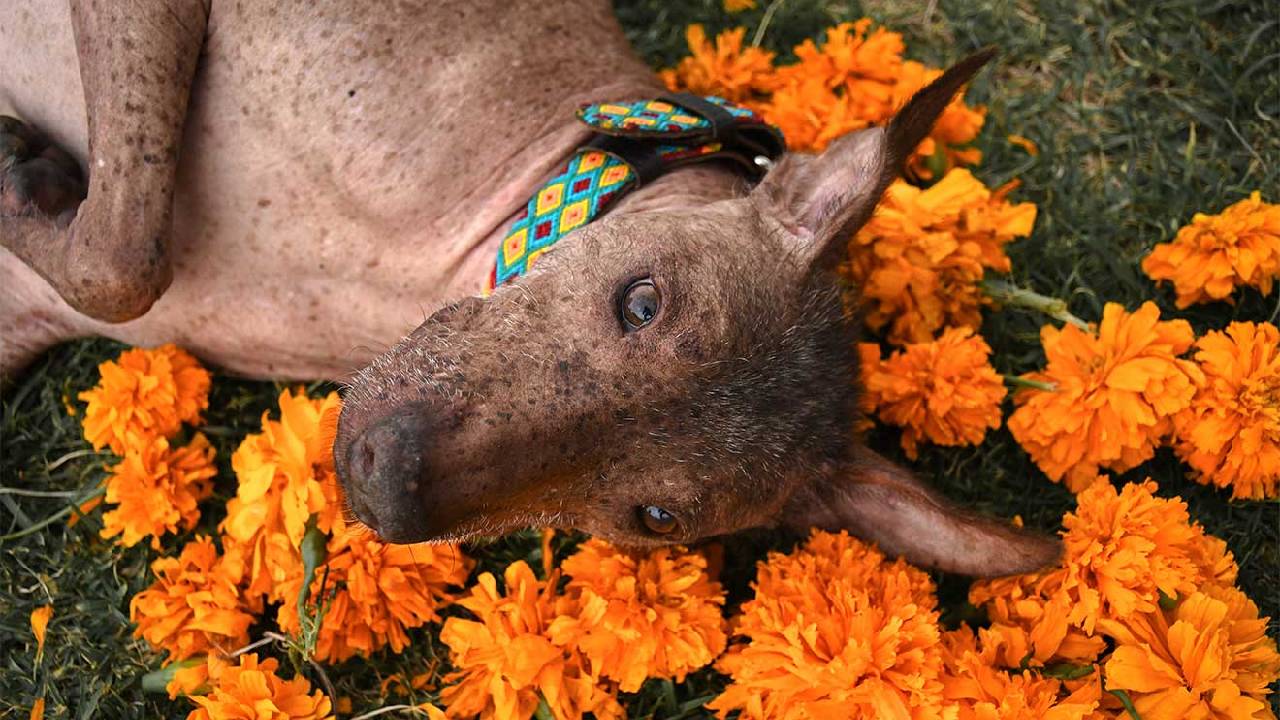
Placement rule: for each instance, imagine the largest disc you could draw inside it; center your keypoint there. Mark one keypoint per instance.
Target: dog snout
(385, 468)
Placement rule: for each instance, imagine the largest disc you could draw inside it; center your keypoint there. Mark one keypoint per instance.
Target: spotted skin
(330, 200)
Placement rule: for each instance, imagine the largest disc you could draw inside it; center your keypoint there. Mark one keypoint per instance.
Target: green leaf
(668, 694)
(314, 552)
(689, 707)
(1025, 662)
(1127, 702)
(1168, 602)
(937, 162)
(543, 711)
(1067, 671)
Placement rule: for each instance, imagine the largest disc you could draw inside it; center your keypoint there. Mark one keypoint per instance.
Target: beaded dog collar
(633, 143)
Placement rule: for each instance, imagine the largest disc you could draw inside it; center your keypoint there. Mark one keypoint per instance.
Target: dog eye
(659, 521)
(640, 302)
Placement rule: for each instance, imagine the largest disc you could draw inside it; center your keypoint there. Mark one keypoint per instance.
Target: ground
(1144, 113)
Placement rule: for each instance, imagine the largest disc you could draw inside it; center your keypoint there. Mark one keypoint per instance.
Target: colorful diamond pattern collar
(634, 143)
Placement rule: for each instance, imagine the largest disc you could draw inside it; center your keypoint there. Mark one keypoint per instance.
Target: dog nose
(385, 466)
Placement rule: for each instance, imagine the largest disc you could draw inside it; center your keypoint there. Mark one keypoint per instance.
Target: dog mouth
(484, 528)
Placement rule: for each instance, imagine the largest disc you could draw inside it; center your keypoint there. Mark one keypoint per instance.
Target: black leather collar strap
(757, 138)
(643, 158)
(722, 121)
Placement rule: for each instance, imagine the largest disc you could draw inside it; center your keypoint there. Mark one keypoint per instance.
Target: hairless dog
(289, 189)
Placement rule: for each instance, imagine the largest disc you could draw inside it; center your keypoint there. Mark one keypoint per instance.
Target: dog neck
(685, 187)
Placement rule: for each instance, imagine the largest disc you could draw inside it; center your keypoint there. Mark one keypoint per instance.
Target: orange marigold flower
(1230, 433)
(195, 603)
(835, 630)
(854, 79)
(1217, 564)
(1117, 391)
(850, 56)
(1122, 552)
(1254, 655)
(733, 6)
(285, 476)
(843, 86)
(943, 391)
(919, 259)
(1029, 621)
(636, 617)
(1217, 253)
(382, 591)
(727, 69)
(978, 690)
(142, 395)
(1209, 657)
(811, 114)
(156, 490)
(506, 661)
(1124, 549)
(251, 689)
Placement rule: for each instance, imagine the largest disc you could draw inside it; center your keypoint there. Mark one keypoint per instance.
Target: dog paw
(89, 256)
(37, 178)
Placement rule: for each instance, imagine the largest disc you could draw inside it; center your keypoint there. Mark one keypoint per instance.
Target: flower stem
(1007, 293)
(267, 640)
(1021, 382)
(390, 709)
(37, 527)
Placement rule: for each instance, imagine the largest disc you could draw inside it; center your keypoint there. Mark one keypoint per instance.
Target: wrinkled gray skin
(286, 190)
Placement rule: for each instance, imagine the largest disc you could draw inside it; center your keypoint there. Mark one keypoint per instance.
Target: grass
(1145, 113)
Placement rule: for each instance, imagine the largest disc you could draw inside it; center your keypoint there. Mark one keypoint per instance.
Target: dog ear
(822, 199)
(882, 503)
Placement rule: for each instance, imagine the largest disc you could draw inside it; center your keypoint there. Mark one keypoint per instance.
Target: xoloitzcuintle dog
(284, 188)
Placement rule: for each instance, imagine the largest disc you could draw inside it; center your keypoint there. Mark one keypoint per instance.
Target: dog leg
(108, 255)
